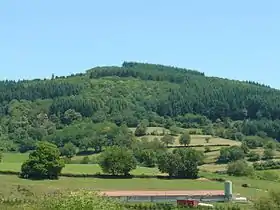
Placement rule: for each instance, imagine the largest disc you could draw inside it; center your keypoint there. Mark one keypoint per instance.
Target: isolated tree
(167, 139)
(230, 154)
(181, 163)
(239, 168)
(68, 150)
(268, 154)
(207, 139)
(43, 163)
(185, 139)
(117, 161)
(141, 129)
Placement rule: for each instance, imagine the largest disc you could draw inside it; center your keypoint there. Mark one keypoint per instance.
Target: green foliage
(266, 165)
(85, 160)
(245, 148)
(174, 130)
(253, 141)
(272, 201)
(181, 163)
(78, 108)
(253, 156)
(167, 139)
(77, 200)
(147, 158)
(1, 156)
(207, 139)
(68, 150)
(230, 154)
(43, 163)
(185, 139)
(141, 130)
(117, 161)
(268, 154)
(240, 168)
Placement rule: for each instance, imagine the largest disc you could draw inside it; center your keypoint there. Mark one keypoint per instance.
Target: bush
(239, 168)
(207, 139)
(68, 150)
(85, 160)
(270, 164)
(77, 200)
(43, 163)
(253, 156)
(185, 139)
(268, 154)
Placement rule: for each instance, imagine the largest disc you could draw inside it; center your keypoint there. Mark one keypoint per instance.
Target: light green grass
(81, 169)
(13, 157)
(258, 188)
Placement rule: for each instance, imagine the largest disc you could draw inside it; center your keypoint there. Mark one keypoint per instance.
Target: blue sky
(234, 39)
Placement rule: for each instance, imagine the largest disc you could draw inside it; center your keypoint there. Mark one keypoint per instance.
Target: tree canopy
(65, 109)
(43, 163)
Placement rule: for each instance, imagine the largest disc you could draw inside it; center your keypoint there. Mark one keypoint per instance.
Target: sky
(232, 39)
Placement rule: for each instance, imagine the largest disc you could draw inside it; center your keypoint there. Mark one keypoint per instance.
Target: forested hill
(131, 93)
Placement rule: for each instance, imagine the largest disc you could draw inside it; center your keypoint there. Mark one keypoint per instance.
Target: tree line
(31, 111)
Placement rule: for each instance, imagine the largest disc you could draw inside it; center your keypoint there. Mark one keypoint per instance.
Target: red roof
(164, 193)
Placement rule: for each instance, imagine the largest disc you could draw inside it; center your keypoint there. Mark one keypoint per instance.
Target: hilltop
(162, 95)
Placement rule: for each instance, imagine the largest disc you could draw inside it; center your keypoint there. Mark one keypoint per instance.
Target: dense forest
(85, 109)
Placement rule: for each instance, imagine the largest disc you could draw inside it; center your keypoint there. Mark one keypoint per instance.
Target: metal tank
(228, 190)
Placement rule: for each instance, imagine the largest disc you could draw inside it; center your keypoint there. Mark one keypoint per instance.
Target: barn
(173, 196)
(166, 196)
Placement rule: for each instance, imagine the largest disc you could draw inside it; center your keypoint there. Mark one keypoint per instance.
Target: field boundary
(105, 176)
(199, 145)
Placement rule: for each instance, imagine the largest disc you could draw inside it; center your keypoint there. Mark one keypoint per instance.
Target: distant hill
(163, 95)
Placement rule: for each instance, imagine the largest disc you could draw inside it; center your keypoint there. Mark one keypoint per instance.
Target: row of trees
(45, 161)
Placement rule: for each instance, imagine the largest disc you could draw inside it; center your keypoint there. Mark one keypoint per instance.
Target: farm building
(173, 196)
(166, 196)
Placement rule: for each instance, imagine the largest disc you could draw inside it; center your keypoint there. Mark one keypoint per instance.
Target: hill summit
(162, 95)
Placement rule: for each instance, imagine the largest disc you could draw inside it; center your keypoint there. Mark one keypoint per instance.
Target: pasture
(10, 184)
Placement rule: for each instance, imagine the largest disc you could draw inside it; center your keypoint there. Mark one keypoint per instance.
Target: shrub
(77, 200)
(43, 163)
(268, 154)
(239, 168)
(207, 139)
(253, 156)
(85, 160)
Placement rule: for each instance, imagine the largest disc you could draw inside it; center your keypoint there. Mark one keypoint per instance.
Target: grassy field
(81, 169)
(195, 139)
(9, 183)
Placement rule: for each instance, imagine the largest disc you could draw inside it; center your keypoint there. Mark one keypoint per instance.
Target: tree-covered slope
(31, 110)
